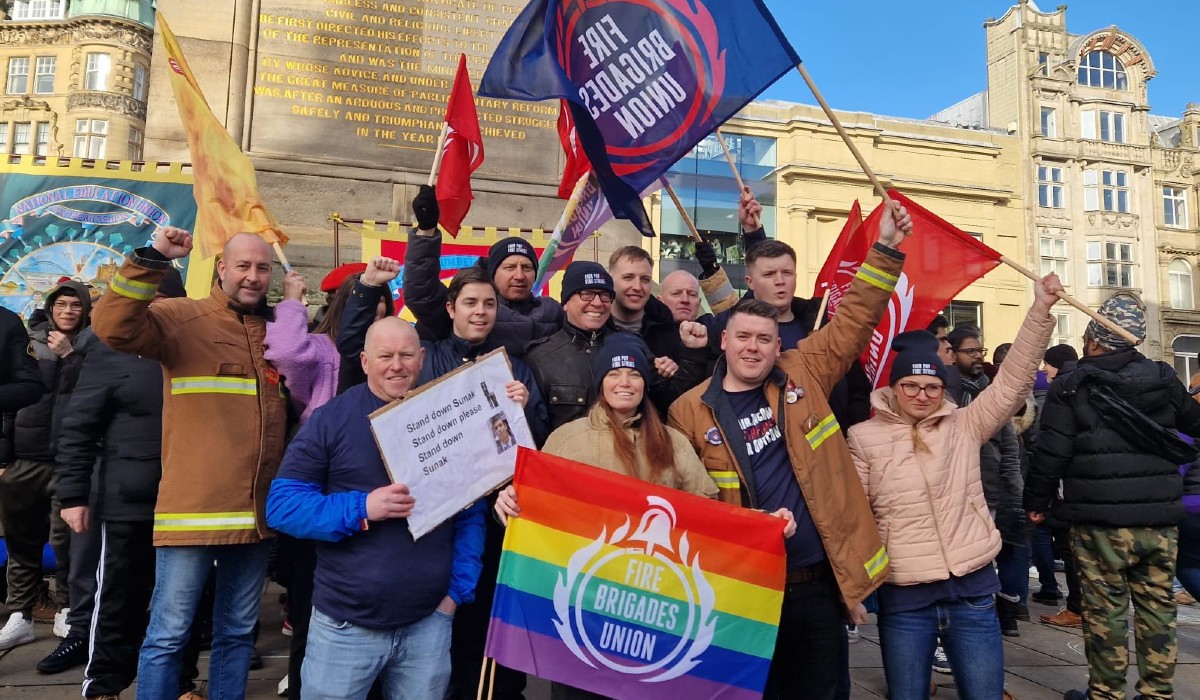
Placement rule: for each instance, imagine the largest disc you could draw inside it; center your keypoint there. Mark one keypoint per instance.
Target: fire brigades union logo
(637, 602)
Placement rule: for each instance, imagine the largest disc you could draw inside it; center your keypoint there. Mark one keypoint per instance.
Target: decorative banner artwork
(80, 222)
(453, 441)
(390, 238)
(631, 590)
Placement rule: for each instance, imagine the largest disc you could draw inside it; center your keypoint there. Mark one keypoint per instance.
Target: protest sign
(453, 441)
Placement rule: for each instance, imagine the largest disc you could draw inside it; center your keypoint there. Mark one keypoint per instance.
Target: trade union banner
(631, 590)
(646, 80)
(80, 221)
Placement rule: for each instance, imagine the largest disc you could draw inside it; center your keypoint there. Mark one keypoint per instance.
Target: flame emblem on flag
(611, 609)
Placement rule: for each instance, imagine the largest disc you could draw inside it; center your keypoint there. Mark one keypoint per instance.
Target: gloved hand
(425, 208)
(707, 257)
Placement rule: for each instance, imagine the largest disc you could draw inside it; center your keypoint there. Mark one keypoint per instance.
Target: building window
(1106, 189)
(136, 138)
(37, 9)
(1062, 329)
(1054, 257)
(97, 71)
(18, 75)
(3, 137)
(1049, 122)
(1050, 187)
(41, 139)
(1186, 349)
(43, 81)
(1043, 63)
(1103, 70)
(1107, 126)
(22, 138)
(1180, 279)
(90, 137)
(964, 313)
(139, 83)
(1175, 206)
(1110, 264)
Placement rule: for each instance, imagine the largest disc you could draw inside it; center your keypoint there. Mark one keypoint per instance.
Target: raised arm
(998, 403)
(364, 299)
(424, 293)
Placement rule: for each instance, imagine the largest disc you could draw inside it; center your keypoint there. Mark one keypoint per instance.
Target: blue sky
(912, 59)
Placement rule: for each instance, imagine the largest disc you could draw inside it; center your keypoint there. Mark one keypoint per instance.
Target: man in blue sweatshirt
(383, 603)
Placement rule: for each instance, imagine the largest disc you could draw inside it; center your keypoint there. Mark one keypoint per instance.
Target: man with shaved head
(680, 291)
(383, 603)
(224, 420)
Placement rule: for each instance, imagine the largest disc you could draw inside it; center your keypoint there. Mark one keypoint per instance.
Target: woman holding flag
(918, 459)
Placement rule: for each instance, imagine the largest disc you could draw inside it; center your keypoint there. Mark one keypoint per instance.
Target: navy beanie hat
(508, 247)
(583, 274)
(917, 354)
(620, 350)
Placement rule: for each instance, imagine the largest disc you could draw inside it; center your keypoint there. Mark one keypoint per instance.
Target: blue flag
(646, 80)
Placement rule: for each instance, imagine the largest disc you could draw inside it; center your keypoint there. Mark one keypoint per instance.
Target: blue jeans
(1043, 559)
(1012, 566)
(180, 575)
(970, 634)
(1187, 568)
(343, 660)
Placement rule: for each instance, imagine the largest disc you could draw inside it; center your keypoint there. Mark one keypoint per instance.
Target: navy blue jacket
(379, 578)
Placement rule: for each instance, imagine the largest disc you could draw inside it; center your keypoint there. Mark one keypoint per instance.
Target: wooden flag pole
(1092, 313)
(837, 125)
(732, 166)
(287, 266)
(437, 155)
(821, 311)
(483, 670)
(862, 162)
(683, 212)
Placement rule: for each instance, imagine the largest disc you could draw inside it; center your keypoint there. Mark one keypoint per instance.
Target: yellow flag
(226, 192)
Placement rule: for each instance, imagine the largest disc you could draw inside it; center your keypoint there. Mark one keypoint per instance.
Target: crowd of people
(175, 452)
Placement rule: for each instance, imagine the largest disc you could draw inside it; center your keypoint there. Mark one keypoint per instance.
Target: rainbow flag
(613, 585)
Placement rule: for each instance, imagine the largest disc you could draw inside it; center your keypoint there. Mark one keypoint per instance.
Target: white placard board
(445, 440)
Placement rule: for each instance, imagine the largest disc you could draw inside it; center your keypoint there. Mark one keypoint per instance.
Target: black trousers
(124, 582)
(1062, 549)
(809, 652)
(81, 579)
(30, 517)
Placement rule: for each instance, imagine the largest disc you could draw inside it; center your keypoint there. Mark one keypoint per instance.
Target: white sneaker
(282, 690)
(61, 628)
(16, 631)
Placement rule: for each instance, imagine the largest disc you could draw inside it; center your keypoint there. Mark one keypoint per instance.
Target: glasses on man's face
(589, 295)
(973, 352)
(911, 390)
(67, 306)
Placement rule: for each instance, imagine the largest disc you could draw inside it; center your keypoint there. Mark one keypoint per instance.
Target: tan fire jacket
(224, 410)
(798, 392)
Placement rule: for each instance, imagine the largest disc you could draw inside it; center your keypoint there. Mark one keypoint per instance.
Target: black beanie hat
(916, 355)
(1059, 355)
(583, 274)
(508, 247)
(172, 283)
(620, 350)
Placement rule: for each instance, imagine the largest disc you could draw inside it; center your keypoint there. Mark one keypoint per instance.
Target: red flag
(577, 160)
(833, 274)
(463, 153)
(940, 262)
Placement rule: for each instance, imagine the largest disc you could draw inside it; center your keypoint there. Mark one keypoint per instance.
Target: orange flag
(226, 192)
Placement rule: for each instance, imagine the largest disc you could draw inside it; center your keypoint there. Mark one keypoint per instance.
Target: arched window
(1180, 274)
(1186, 349)
(1103, 70)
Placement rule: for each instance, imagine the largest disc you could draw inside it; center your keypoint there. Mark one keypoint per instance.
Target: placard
(453, 441)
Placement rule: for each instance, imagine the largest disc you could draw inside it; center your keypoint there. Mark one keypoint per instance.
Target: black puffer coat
(1107, 481)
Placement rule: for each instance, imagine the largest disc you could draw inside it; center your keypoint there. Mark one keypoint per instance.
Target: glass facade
(705, 185)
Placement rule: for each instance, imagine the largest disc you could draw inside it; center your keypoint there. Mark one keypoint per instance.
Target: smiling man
(764, 429)
(221, 394)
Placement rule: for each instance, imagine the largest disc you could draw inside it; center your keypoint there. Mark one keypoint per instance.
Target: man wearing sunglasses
(1000, 464)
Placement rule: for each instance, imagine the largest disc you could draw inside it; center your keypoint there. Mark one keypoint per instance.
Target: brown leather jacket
(224, 409)
(798, 390)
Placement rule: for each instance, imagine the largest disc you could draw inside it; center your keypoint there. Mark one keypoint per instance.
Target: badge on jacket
(793, 393)
(713, 436)
(272, 375)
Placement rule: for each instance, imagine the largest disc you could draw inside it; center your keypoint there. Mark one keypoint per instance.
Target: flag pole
(487, 662)
(437, 156)
(287, 266)
(683, 212)
(1092, 313)
(560, 227)
(821, 310)
(837, 125)
(732, 166)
